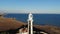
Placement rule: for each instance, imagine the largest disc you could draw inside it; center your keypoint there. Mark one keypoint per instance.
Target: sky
(26, 6)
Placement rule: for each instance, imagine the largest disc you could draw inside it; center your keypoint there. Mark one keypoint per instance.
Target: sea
(38, 19)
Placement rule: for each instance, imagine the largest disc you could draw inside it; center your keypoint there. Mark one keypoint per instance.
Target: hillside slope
(48, 28)
(9, 23)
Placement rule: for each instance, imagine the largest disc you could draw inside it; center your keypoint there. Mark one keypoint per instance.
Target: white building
(30, 23)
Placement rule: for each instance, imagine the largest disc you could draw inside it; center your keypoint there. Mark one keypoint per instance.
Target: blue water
(40, 19)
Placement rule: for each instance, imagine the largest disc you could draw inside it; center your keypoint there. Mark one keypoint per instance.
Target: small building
(23, 31)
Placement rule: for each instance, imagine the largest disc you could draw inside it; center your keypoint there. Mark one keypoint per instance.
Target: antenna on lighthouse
(30, 23)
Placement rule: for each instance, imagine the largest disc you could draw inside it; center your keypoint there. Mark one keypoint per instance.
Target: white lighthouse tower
(30, 23)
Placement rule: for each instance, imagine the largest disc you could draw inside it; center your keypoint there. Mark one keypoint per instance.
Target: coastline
(12, 23)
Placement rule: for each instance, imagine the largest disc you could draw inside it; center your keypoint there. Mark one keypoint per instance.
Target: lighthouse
(30, 23)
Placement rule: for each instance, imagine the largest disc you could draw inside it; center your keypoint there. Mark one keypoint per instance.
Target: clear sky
(26, 6)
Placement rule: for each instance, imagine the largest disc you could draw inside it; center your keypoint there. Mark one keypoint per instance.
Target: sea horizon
(39, 19)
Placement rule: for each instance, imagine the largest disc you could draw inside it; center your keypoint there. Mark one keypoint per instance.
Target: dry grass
(49, 29)
(9, 23)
